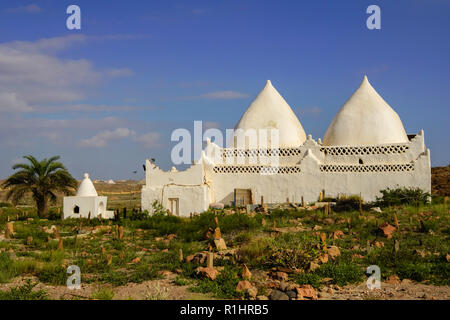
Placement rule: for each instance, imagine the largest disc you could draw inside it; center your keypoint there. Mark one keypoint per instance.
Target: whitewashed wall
(86, 205)
(200, 185)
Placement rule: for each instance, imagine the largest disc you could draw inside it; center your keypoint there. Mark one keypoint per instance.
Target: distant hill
(440, 180)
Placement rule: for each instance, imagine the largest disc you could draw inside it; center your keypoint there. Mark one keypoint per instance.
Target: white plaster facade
(86, 201)
(305, 168)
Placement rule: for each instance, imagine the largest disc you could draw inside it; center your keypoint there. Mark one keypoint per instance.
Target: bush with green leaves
(403, 196)
(24, 292)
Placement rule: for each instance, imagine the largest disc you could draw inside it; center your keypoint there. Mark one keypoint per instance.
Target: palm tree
(42, 179)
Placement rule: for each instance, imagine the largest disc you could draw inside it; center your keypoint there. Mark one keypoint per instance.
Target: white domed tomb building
(86, 201)
(365, 150)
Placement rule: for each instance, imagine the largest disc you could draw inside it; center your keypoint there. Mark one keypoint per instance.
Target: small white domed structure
(270, 111)
(86, 203)
(86, 188)
(365, 119)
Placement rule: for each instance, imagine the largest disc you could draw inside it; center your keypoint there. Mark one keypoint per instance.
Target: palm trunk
(42, 207)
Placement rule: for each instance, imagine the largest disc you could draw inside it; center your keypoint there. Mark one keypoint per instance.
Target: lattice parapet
(256, 169)
(373, 168)
(364, 150)
(282, 156)
(281, 152)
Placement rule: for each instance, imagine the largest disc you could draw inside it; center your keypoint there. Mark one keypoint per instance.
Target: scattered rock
(279, 275)
(243, 285)
(164, 273)
(198, 258)
(278, 295)
(306, 291)
(323, 258)
(210, 273)
(171, 236)
(333, 252)
(313, 266)
(220, 244)
(357, 256)
(262, 298)
(387, 229)
(252, 292)
(328, 221)
(246, 274)
(291, 294)
(379, 244)
(9, 230)
(136, 260)
(393, 279)
(337, 234)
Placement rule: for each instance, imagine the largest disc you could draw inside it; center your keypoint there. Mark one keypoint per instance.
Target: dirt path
(163, 289)
(405, 290)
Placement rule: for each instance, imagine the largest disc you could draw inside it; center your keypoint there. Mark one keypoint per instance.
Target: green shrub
(5, 205)
(312, 279)
(287, 250)
(24, 292)
(403, 196)
(116, 278)
(103, 294)
(341, 272)
(53, 274)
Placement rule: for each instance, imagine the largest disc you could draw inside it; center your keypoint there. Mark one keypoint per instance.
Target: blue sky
(107, 97)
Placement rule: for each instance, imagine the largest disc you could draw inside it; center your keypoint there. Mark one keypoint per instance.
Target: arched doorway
(101, 208)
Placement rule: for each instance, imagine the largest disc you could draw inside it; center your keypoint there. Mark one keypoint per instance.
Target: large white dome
(86, 188)
(365, 119)
(270, 111)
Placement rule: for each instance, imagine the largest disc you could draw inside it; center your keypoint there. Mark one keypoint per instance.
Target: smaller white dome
(86, 188)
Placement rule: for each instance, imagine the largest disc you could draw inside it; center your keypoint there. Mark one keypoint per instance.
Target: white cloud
(31, 74)
(101, 140)
(9, 102)
(149, 140)
(223, 95)
(31, 8)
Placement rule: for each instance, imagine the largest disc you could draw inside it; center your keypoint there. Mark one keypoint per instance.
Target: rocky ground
(165, 289)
